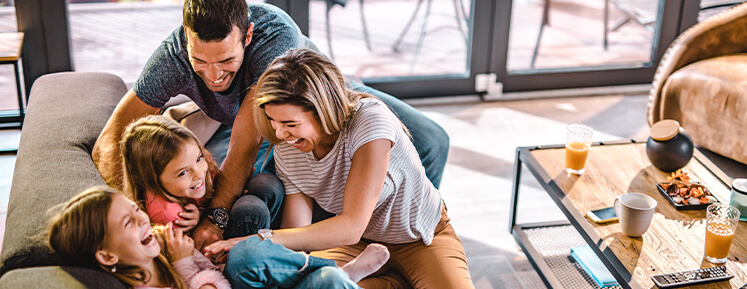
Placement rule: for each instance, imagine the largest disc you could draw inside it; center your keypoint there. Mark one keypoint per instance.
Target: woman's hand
(219, 250)
(191, 216)
(180, 246)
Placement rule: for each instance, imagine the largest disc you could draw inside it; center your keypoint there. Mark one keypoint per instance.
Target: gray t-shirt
(168, 72)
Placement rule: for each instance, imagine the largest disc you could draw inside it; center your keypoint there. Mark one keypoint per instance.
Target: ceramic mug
(635, 211)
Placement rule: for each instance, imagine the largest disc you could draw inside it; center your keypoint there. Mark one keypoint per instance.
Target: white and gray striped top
(409, 206)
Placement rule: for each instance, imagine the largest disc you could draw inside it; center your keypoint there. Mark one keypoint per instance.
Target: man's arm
(106, 154)
(235, 171)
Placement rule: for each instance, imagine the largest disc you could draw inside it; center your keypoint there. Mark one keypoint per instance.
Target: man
(215, 58)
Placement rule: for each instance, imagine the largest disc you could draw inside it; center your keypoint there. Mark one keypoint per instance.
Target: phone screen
(605, 214)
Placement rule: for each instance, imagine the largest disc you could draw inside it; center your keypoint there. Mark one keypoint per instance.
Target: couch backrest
(65, 115)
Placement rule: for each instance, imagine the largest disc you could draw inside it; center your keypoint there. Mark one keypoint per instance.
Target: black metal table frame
(575, 217)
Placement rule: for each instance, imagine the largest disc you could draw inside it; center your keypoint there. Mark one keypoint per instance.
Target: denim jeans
(258, 208)
(253, 263)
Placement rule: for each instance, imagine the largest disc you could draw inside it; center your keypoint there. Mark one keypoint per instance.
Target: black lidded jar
(669, 147)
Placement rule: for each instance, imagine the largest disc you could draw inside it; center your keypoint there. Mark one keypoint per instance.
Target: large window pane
(435, 42)
(552, 34)
(8, 24)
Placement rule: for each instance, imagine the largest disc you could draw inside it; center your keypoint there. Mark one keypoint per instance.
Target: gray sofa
(66, 113)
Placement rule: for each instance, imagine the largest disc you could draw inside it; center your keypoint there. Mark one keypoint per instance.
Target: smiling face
(184, 176)
(300, 128)
(217, 62)
(128, 234)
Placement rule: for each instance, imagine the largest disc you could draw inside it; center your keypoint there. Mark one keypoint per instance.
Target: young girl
(124, 245)
(347, 151)
(167, 170)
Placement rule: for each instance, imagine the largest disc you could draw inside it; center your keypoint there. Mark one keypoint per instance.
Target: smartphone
(602, 215)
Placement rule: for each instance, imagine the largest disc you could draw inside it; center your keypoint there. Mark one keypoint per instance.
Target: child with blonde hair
(167, 170)
(125, 245)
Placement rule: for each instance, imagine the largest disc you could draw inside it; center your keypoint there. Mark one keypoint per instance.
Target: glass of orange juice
(721, 223)
(578, 142)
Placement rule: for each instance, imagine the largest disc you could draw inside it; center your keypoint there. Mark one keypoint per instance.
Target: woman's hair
(147, 146)
(306, 79)
(77, 232)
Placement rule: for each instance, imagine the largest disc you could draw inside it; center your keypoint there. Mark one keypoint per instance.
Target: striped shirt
(409, 206)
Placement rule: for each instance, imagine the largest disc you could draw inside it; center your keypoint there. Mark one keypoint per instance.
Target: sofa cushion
(709, 99)
(66, 113)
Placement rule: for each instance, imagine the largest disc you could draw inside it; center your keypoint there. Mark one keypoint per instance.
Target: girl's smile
(129, 235)
(184, 176)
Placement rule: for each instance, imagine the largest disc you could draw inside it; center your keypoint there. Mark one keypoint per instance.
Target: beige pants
(443, 264)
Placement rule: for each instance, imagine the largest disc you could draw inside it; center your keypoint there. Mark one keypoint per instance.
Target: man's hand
(191, 216)
(205, 234)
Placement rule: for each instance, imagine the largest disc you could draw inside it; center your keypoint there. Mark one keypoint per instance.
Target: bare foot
(370, 260)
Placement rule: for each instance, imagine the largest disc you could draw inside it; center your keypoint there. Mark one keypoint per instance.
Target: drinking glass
(721, 223)
(578, 142)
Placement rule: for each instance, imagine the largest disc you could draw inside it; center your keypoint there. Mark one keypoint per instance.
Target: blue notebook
(585, 256)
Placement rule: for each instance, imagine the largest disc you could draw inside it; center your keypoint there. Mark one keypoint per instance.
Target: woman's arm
(362, 189)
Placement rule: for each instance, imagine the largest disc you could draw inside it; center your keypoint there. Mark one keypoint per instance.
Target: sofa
(701, 82)
(66, 112)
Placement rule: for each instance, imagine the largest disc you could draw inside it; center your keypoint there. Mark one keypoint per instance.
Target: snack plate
(679, 206)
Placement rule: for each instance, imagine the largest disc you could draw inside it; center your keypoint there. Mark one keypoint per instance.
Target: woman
(348, 152)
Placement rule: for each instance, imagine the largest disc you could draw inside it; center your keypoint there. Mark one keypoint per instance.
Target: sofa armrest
(721, 34)
(66, 113)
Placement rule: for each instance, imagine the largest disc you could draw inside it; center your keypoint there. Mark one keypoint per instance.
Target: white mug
(635, 211)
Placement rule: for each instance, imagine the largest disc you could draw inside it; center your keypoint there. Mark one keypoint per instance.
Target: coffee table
(673, 243)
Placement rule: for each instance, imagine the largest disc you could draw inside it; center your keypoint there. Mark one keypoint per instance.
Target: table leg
(515, 191)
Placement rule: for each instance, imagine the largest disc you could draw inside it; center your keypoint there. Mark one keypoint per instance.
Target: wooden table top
(10, 46)
(675, 240)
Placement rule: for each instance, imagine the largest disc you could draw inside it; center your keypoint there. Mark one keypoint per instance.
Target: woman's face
(128, 234)
(299, 128)
(184, 176)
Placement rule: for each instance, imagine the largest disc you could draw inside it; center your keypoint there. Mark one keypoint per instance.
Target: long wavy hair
(147, 146)
(77, 232)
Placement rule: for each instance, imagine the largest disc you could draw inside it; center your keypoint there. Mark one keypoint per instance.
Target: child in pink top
(167, 171)
(125, 245)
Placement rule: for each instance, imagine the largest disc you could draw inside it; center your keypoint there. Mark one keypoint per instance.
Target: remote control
(692, 277)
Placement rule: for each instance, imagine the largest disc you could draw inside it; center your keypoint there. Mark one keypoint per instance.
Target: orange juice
(575, 155)
(718, 240)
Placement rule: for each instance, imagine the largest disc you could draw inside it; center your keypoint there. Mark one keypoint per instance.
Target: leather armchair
(702, 83)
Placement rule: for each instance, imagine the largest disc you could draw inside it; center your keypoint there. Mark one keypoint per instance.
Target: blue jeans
(258, 208)
(253, 263)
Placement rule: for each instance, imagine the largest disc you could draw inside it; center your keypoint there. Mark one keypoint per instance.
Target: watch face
(220, 217)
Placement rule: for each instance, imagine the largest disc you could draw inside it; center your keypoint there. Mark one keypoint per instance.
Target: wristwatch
(218, 216)
(265, 234)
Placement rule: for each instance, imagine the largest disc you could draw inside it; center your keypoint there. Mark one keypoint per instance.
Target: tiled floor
(477, 179)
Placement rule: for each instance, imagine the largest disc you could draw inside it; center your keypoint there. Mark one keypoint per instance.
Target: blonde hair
(147, 146)
(77, 232)
(305, 78)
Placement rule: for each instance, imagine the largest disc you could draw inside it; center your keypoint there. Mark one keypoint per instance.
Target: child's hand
(208, 286)
(218, 250)
(191, 216)
(180, 246)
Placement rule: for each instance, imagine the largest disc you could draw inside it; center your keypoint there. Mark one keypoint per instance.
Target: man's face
(217, 62)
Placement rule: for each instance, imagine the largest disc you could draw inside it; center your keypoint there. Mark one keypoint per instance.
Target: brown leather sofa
(702, 83)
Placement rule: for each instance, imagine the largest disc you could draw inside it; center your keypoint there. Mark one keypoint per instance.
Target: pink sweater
(198, 271)
(162, 211)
